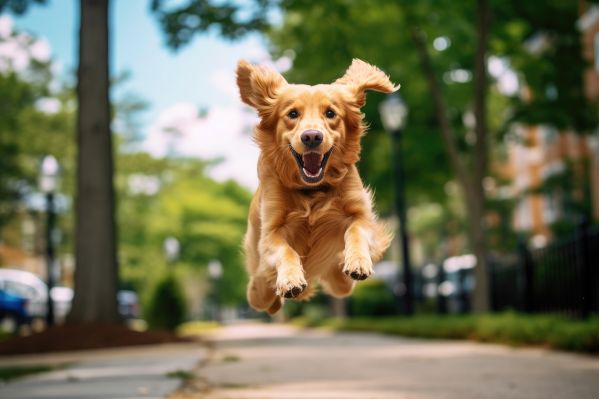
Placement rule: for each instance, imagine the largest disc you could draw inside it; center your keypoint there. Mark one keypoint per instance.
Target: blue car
(13, 306)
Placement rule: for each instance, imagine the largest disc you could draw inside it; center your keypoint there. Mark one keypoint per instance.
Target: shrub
(372, 298)
(167, 305)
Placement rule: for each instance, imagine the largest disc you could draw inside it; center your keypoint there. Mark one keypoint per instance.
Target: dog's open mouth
(311, 164)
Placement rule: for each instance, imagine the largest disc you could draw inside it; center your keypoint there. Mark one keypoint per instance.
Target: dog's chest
(316, 218)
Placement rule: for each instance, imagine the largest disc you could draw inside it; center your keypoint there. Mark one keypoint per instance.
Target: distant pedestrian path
(261, 361)
(152, 371)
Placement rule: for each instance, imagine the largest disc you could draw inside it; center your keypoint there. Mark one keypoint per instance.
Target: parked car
(29, 286)
(26, 285)
(128, 304)
(13, 307)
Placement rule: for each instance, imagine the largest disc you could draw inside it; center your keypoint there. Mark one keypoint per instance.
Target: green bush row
(509, 328)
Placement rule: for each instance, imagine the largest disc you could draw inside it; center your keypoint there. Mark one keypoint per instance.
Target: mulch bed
(84, 336)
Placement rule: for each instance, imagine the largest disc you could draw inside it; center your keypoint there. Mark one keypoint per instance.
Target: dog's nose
(311, 138)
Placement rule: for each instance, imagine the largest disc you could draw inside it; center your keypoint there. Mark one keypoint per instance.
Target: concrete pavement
(133, 372)
(280, 362)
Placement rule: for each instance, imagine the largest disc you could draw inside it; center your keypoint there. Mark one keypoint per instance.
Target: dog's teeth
(312, 175)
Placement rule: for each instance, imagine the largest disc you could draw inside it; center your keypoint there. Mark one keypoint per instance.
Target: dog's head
(309, 135)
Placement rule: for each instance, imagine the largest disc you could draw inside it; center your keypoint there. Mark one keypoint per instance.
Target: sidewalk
(280, 362)
(132, 372)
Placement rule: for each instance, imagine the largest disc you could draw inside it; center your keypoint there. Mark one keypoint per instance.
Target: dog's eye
(293, 114)
(330, 113)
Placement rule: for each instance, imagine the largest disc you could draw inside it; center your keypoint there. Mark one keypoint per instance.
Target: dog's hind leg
(276, 305)
(337, 284)
(261, 293)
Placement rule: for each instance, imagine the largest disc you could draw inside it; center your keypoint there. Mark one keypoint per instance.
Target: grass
(5, 335)
(508, 328)
(10, 373)
(231, 358)
(197, 327)
(183, 375)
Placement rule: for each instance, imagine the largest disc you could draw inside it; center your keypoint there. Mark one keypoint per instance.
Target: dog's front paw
(358, 267)
(291, 283)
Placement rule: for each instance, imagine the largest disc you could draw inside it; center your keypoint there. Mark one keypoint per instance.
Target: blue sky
(159, 75)
(175, 84)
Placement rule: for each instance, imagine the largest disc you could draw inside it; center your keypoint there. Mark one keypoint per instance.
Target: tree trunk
(481, 300)
(96, 272)
(471, 183)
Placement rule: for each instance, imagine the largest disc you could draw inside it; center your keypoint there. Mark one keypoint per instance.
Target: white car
(35, 290)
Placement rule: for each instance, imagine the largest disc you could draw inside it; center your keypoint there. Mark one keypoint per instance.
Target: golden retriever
(311, 218)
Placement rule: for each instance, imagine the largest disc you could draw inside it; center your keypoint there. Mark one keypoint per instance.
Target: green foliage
(18, 7)
(554, 73)
(372, 298)
(232, 21)
(10, 373)
(508, 328)
(167, 306)
(207, 217)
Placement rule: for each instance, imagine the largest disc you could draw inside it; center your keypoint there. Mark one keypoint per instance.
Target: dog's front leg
(358, 262)
(277, 253)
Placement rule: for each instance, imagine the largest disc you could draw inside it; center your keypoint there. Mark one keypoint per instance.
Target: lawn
(549, 331)
(10, 373)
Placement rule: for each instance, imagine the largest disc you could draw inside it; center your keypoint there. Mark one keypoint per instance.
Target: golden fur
(301, 231)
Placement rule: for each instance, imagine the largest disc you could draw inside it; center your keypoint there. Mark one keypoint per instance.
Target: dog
(311, 219)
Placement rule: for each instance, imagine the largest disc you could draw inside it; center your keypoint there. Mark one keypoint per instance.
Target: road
(136, 372)
(280, 362)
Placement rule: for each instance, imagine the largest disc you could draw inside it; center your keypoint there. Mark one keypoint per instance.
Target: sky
(201, 76)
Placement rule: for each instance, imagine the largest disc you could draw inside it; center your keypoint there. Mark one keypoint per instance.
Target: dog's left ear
(361, 76)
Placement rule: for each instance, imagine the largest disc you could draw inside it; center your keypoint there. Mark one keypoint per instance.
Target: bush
(511, 328)
(167, 305)
(372, 298)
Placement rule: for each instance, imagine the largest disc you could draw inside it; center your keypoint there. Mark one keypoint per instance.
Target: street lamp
(393, 113)
(172, 248)
(215, 271)
(48, 183)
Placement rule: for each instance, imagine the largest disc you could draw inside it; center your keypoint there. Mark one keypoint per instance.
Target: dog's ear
(361, 76)
(258, 85)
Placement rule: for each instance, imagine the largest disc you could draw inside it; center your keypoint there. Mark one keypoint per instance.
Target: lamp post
(172, 248)
(215, 271)
(48, 182)
(393, 113)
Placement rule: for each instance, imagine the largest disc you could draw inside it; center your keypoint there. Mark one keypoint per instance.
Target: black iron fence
(562, 277)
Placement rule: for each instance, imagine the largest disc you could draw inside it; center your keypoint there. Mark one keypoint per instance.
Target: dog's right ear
(258, 85)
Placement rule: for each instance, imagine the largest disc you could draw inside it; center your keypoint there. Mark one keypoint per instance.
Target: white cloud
(40, 50)
(17, 50)
(5, 26)
(224, 132)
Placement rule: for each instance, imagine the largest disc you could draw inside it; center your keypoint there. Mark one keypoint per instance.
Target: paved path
(136, 372)
(278, 362)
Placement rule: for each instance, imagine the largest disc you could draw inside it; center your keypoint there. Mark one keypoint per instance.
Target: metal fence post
(527, 270)
(492, 285)
(586, 270)
(441, 300)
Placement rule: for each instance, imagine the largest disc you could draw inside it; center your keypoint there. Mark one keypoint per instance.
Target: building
(588, 24)
(551, 172)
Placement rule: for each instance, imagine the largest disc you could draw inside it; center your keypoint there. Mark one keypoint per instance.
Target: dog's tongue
(312, 161)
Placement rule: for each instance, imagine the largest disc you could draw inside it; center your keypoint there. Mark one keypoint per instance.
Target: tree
(471, 183)
(96, 275)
